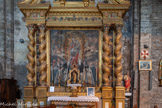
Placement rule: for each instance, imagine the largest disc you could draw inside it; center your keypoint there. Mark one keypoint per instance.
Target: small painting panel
(145, 65)
(90, 91)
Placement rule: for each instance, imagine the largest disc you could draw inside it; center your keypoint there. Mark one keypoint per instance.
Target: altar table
(80, 101)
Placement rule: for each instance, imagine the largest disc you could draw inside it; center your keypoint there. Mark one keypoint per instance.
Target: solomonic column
(118, 57)
(31, 56)
(106, 89)
(43, 56)
(119, 89)
(41, 91)
(29, 91)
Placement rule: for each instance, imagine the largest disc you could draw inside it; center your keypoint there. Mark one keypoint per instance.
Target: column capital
(106, 29)
(107, 25)
(119, 25)
(41, 26)
(30, 26)
(119, 28)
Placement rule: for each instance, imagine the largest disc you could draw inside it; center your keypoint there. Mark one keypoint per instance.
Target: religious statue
(160, 73)
(156, 106)
(74, 75)
(127, 80)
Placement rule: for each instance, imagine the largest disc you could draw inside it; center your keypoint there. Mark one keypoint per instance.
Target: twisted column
(31, 55)
(106, 58)
(118, 57)
(42, 57)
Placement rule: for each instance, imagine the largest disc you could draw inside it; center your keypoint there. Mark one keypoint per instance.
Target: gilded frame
(100, 51)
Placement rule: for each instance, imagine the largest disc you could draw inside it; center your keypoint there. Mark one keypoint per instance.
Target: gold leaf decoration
(118, 54)
(30, 2)
(31, 56)
(106, 58)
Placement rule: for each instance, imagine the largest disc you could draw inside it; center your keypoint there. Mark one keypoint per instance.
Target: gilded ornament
(118, 54)
(74, 74)
(86, 3)
(106, 58)
(62, 2)
(31, 56)
(42, 58)
(118, 1)
(30, 2)
(61, 16)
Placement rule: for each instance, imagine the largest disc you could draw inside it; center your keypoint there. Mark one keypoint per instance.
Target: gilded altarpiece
(74, 35)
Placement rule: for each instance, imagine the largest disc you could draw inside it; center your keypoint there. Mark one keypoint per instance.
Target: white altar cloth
(74, 99)
(74, 85)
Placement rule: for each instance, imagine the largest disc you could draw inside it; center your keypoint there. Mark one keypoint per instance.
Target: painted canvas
(78, 47)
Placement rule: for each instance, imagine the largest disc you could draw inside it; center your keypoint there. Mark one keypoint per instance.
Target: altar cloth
(74, 99)
(74, 85)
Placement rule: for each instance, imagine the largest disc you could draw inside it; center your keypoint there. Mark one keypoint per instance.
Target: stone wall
(20, 49)
(150, 35)
(13, 53)
(7, 36)
(145, 39)
(135, 56)
(2, 38)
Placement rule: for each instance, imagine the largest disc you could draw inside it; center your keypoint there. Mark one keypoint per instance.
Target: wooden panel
(8, 90)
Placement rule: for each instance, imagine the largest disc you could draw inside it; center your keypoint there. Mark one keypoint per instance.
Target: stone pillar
(106, 89)
(41, 91)
(29, 91)
(119, 89)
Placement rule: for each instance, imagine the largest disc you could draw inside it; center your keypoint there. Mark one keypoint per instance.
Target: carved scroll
(31, 55)
(118, 1)
(30, 2)
(42, 58)
(118, 57)
(122, 1)
(106, 58)
(62, 2)
(86, 3)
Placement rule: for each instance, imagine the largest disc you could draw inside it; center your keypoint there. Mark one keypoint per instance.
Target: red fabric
(127, 82)
(75, 59)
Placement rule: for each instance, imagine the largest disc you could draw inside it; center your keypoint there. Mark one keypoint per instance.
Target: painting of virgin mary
(74, 46)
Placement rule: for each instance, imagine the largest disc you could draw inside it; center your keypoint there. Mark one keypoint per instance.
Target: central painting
(76, 50)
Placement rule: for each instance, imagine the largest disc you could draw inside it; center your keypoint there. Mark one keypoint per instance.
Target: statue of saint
(127, 80)
(74, 75)
(160, 73)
